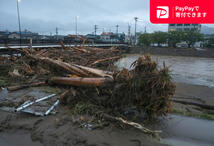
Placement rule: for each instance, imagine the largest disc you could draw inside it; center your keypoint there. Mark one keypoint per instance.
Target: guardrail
(57, 46)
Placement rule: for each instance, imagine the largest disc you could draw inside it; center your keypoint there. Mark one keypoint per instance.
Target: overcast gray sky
(44, 16)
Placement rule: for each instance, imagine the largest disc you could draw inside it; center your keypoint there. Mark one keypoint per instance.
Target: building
(14, 35)
(4, 34)
(24, 35)
(110, 37)
(184, 27)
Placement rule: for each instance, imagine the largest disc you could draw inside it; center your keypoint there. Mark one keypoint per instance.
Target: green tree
(174, 37)
(160, 37)
(210, 41)
(145, 39)
(191, 37)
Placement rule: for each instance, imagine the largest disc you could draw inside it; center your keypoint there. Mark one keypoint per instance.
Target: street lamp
(77, 17)
(18, 1)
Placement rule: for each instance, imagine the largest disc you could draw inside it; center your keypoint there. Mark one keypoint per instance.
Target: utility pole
(145, 30)
(56, 33)
(95, 29)
(129, 33)
(135, 35)
(19, 21)
(117, 26)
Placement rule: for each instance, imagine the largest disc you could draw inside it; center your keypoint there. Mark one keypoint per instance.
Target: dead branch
(81, 50)
(106, 59)
(133, 124)
(62, 44)
(14, 88)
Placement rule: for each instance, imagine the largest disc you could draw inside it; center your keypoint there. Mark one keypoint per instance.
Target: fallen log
(78, 81)
(106, 59)
(114, 49)
(14, 88)
(65, 66)
(81, 50)
(96, 72)
(209, 107)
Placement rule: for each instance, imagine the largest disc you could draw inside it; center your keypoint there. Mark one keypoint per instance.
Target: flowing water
(187, 131)
(192, 70)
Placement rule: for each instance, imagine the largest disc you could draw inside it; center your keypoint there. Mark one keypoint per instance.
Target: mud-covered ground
(64, 128)
(194, 94)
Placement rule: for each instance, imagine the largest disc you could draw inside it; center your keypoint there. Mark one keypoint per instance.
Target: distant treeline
(172, 38)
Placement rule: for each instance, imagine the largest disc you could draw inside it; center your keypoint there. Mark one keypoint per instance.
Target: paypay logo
(162, 12)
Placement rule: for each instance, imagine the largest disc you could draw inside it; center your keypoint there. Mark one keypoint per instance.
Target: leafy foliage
(172, 37)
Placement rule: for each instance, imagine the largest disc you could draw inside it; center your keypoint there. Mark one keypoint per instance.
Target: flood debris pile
(40, 64)
(90, 83)
(145, 88)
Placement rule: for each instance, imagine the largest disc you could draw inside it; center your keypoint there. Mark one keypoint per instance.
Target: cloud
(44, 16)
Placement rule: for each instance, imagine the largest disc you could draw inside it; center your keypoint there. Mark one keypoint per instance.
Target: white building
(184, 27)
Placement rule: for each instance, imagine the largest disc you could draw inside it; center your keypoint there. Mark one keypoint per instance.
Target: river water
(191, 70)
(187, 131)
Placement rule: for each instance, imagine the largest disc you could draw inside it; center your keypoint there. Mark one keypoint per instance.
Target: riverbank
(63, 129)
(191, 94)
(205, 53)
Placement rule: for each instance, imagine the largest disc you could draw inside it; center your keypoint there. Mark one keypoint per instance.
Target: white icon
(162, 12)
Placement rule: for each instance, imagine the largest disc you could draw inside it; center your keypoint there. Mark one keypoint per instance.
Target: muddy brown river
(191, 70)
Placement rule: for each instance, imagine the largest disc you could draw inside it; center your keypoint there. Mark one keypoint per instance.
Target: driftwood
(62, 44)
(80, 49)
(78, 81)
(96, 72)
(14, 88)
(65, 66)
(106, 59)
(62, 97)
(114, 49)
(209, 107)
(78, 70)
(133, 124)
